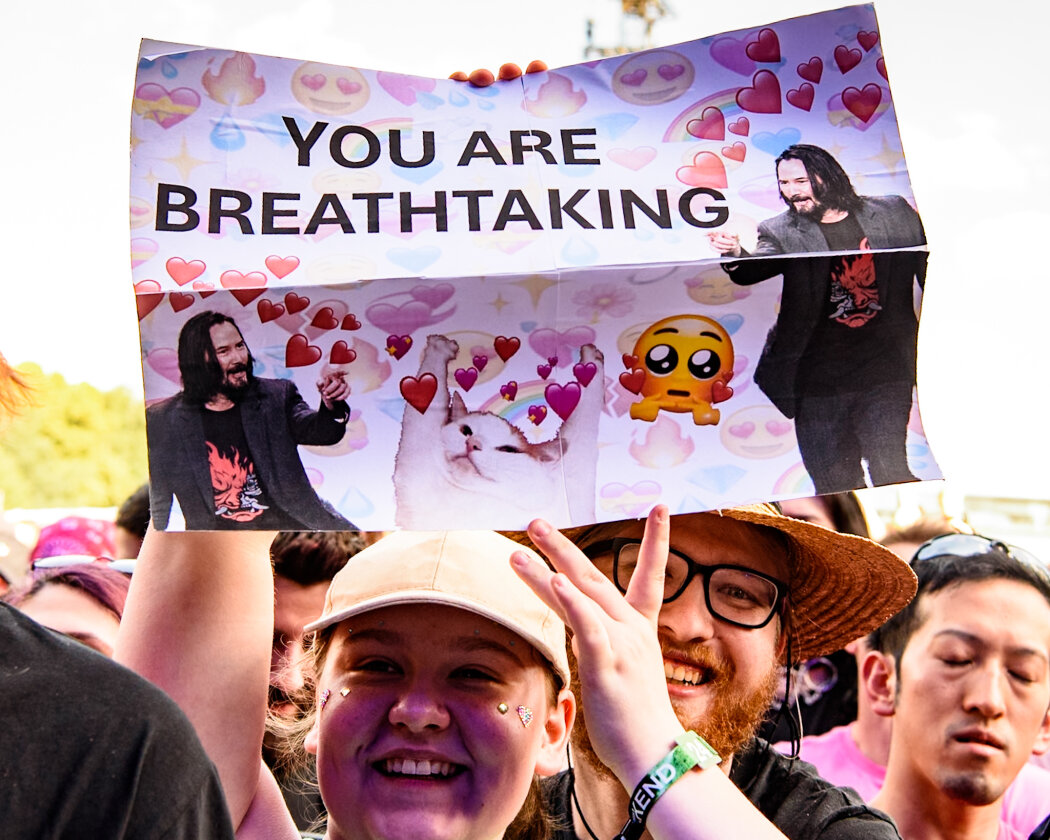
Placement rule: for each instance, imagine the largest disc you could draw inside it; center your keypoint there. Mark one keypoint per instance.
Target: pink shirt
(839, 760)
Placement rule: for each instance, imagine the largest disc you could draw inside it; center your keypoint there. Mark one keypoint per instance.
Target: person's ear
(310, 742)
(1042, 739)
(557, 727)
(878, 677)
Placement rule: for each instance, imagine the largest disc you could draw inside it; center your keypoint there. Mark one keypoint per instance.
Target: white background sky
(969, 87)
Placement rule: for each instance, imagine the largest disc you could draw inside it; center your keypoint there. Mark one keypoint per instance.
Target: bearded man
(226, 445)
(746, 590)
(840, 359)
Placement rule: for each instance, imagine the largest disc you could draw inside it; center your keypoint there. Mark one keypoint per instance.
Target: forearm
(199, 623)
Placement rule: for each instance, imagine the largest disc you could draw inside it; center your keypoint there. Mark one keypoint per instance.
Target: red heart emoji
(506, 347)
(846, 58)
(720, 392)
(325, 319)
(147, 297)
(299, 352)
(350, 322)
(246, 296)
(710, 126)
(342, 354)
(183, 272)
(269, 311)
(418, 393)
(735, 152)
(629, 361)
(740, 127)
(179, 301)
(763, 97)
(862, 103)
(633, 380)
(812, 70)
(868, 39)
(766, 48)
(281, 266)
(880, 65)
(802, 96)
(295, 303)
(707, 171)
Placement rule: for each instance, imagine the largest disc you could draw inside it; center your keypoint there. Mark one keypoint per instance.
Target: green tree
(75, 446)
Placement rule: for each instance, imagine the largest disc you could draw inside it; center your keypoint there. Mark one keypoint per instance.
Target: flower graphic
(603, 299)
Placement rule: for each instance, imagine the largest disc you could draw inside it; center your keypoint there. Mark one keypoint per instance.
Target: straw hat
(840, 587)
(469, 570)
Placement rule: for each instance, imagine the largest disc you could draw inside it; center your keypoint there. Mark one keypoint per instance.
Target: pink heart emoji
(183, 272)
(670, 72)
(802, 96)
(205, 290)
(281, 266)
(812, 70)
(634, 79)
(763, 97)
(633, 159)
(846, 58)
(538, 412)
(346, 86)
(543, 370)
(554, 345)
(165, 361)
(299, 352)
(314, 82)
(862, 103)
(737, 152)
(509, 391)
(166, 108)
(742, 430)
(466, 377)
(244, 287)
(584, 372)
(740, 127)
(707, 171)
(406, 318)
(398, 345)
(765, 48)
(433, 296)
(710, 126)
(778, 427)
(563, 399)
(405, 89)
(480, 362)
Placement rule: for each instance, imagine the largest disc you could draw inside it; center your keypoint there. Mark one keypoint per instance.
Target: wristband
(690, 751)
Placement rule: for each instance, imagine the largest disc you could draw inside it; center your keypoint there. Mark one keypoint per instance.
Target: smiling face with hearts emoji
(328, 89)
(652, 78)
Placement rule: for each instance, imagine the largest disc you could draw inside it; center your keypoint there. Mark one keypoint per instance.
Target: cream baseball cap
(469, 570)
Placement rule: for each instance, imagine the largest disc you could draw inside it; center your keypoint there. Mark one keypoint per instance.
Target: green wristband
(690, 751)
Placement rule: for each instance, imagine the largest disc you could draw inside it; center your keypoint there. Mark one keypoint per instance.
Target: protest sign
(570, 295)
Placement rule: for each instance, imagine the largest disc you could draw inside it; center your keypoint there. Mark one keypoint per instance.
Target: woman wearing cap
(439, 686)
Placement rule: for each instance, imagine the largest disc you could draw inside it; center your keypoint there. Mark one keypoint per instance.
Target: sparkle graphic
(185, 162)
(535, 285)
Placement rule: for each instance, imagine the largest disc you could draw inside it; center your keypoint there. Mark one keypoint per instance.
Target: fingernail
(540, 528)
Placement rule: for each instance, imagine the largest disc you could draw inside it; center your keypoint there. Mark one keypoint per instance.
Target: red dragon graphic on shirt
(235, 485)
(853, 291)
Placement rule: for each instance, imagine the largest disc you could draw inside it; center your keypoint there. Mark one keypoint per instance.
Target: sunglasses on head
(974, 545)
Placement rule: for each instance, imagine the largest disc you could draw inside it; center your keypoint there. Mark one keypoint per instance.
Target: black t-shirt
(789, 794)
(847, 350)
(91, 750)
(241, 499)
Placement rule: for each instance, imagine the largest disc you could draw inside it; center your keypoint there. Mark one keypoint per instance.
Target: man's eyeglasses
(974, 545)
(735, 594)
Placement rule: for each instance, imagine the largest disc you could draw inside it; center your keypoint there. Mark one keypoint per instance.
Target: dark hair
(942, 571)
(198, 366)
(107, 586)
(829, 181)
(309, 557)
(133, 515)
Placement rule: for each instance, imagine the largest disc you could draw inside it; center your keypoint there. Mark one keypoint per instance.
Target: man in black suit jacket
(840, 359)
(226, 445)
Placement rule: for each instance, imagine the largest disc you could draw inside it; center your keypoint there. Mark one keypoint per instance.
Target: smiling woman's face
(417, 747)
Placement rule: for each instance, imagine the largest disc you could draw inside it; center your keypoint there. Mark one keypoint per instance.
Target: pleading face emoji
(687, 362)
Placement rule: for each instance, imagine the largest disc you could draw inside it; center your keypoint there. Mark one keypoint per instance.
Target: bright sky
(968, 87)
